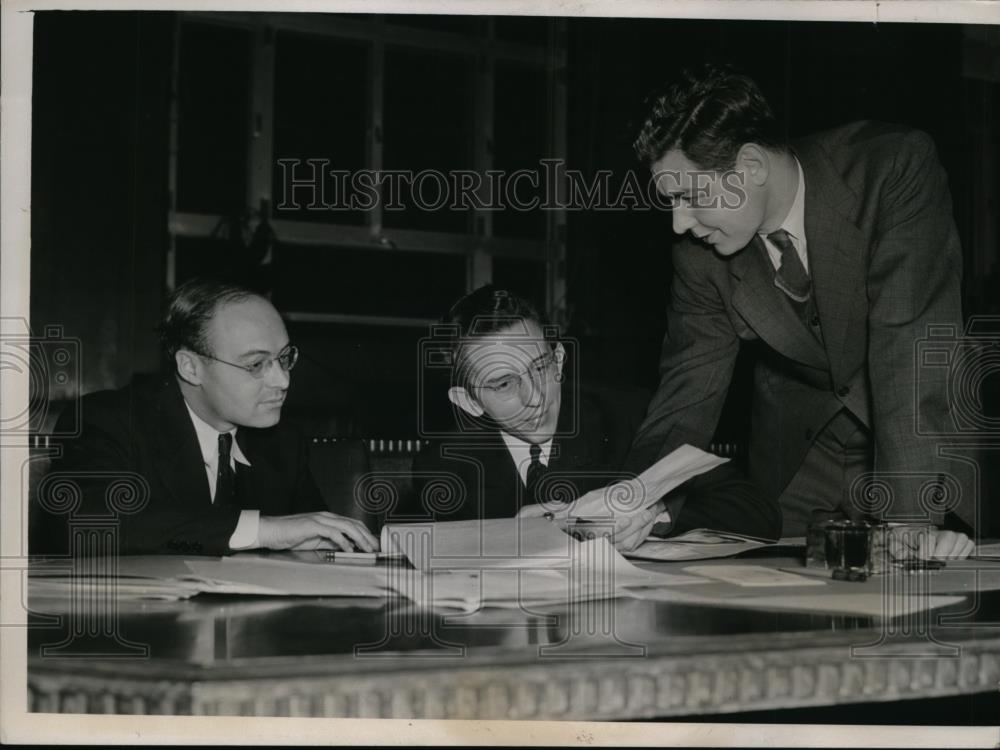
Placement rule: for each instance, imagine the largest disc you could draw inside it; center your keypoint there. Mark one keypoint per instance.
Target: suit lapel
(765, 309)
(835, 247)
(177, 451)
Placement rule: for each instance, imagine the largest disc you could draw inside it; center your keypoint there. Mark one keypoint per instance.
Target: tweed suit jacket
(885, 263)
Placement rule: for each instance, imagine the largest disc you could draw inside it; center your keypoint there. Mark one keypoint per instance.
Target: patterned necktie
(225, 478)
(791, 276)
(536, 470)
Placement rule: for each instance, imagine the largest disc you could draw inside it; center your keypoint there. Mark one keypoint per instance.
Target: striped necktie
(791, 276)
(536, 470)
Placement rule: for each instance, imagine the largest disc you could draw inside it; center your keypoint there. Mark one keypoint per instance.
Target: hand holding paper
(633, 504)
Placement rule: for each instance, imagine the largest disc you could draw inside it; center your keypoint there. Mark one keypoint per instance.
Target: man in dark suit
(836, 253)
(201, 451)
(524, 436)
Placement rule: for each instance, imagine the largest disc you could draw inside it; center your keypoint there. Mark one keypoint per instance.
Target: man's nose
(531, 389)
(278, 376)
(683, 220)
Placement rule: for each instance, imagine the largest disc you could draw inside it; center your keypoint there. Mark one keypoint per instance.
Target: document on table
(595, 571)
(861, 604)
(533, 543)
(264, 575)
(160, 577)
(697, 544)
(752, 575)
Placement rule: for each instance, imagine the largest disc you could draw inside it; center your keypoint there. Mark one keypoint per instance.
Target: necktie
(791, 276)
(225, 478)
(536, 470)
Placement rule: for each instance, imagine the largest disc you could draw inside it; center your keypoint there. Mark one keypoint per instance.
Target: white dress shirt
(794, 224)
(520, 451)
(245, 535)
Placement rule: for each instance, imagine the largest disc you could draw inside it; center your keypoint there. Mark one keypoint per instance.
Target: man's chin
(267, 419)
(537, 436)
(725, 249)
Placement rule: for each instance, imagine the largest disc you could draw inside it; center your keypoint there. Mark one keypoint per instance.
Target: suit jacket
(476, 477)
(885, 263)
(145, 429)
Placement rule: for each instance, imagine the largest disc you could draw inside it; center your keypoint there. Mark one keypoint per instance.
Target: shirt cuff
(245, 535)
(661, 526)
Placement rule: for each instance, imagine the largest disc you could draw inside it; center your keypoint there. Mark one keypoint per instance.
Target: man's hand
(926, 542)
(315, 531)
(631, 527)
(947, 545)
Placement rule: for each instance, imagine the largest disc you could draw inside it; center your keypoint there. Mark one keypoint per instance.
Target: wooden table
(610, 659)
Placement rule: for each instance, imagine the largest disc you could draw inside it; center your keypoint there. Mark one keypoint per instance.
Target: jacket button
(809, 434)
(814, 321)
(843, 390)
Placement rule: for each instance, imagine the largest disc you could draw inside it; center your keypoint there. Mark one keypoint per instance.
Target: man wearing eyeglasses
(204, 442)
(524, 435)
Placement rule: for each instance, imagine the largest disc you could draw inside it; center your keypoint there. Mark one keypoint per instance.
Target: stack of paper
(697, 544)
(509, 563)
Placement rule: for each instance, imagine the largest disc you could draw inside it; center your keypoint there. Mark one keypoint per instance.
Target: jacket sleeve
(696, 364)
(914, 279)
(723, 499)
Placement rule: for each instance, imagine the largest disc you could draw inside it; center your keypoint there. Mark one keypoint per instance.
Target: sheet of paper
(259, 575)
(159, 567)
(595, 571)
(533, 543)
(676, 468)
(752, 575)
(866, 604)
(697, 544)
(54, 587)
(650, 486)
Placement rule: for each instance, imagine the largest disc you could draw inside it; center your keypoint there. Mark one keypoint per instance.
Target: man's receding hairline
(225, 303)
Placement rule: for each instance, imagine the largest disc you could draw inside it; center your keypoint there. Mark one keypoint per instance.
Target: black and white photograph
(563, 375)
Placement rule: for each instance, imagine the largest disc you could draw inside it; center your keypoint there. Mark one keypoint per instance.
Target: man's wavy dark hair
(190, 308)
(487, 310)
(708, 113)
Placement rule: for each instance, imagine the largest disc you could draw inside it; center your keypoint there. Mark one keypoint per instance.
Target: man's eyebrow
(498, 378)
(515, 370)
(263, 352)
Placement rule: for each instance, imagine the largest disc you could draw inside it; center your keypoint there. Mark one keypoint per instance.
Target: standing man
(219, 471)
(835, 252)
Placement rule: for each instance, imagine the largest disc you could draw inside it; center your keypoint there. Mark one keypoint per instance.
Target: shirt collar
(208, 440)
(795, 221)
(521, 449)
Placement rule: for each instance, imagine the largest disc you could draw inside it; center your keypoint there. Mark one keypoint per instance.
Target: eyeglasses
(286, 360)
(507, 387)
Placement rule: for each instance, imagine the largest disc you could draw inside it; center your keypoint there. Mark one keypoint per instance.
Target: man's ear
(755, 162)
(464, 401)
(188, 366)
